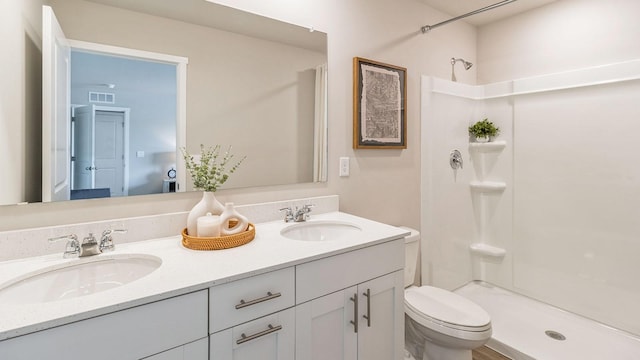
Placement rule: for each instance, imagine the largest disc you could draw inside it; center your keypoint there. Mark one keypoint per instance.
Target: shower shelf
(493, 146)
(488, 186)
(487, 250)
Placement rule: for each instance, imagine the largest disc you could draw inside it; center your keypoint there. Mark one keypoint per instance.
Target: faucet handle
(288, 215)
(106, 241)
(72, 249)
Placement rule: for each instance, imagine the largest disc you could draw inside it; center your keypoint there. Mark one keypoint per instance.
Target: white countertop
(182, 271)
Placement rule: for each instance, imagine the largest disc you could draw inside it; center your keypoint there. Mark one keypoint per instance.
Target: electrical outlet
(344, 166)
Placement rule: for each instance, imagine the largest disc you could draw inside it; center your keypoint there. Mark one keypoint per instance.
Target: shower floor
(519, 325)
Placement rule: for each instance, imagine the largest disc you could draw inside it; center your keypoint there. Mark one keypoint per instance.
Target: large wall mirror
(253, 83)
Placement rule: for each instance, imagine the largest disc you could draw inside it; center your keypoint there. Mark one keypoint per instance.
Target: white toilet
(439, 324)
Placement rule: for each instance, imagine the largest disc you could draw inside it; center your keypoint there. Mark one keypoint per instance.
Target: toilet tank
(411, 249)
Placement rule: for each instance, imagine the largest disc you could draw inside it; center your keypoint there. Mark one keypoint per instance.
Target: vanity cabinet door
(381, 318)
(325, 326)
(128, 334)
(324, 330)
(268, 338)
(197, 350)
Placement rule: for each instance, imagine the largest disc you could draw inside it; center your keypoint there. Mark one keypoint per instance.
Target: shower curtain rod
(428, 28)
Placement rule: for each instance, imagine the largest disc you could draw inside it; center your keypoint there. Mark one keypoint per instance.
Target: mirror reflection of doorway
(100, 155)
(147, 91)
(151, 85)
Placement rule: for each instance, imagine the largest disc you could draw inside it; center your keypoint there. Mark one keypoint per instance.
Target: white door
(56, 119)
(272, 337)
(324, 328)
(100, 149)
(381, 330)
(83, 174)
(109, 159)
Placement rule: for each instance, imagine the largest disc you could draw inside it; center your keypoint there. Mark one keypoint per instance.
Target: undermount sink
(320, 230)
(78, 278)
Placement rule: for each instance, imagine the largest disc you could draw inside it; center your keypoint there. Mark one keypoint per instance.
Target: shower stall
(550, 210)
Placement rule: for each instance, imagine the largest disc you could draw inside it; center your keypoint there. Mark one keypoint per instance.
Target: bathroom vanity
(289, 294)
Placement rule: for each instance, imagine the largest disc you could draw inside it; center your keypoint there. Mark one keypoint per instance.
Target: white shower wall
(577, 201)
(568, 218)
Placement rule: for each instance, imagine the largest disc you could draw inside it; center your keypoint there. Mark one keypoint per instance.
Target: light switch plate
(344, 166)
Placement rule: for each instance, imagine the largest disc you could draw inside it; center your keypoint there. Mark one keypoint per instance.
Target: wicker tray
(218, 243)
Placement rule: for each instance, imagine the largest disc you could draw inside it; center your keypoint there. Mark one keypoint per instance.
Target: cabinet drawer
(240, 301)
(324, 276)
(128, 334)
(269, 337)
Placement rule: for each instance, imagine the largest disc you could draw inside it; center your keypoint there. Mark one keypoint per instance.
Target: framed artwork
(379, 105)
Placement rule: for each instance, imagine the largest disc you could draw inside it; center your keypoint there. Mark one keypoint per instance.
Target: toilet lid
(447, 308)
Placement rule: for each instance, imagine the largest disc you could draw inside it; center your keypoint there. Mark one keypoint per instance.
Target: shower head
(467, 66)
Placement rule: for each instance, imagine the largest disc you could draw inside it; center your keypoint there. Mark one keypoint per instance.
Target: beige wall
(20, 24)
(384, 184)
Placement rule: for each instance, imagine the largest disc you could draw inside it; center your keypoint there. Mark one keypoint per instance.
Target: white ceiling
(459, 7)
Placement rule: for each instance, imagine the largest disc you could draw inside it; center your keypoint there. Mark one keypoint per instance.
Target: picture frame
(379, 105)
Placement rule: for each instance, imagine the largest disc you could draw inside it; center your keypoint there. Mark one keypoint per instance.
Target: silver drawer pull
(256, 301)
(355, 312)
(244, 338)
(368, 316)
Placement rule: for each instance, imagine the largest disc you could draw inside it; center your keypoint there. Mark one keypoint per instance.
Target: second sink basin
(78, 278)
(321, 230)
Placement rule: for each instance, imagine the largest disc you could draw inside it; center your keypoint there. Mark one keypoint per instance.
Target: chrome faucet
(288, 215)
(302, 214)
(299, 215)
(72, 248)
(106, 241)
(89, 245)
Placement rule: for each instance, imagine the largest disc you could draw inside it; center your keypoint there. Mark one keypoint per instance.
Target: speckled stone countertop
(182, 271)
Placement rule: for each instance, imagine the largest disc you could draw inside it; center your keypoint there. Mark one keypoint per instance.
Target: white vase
(482, 139)
(230, 213)
(208, 204)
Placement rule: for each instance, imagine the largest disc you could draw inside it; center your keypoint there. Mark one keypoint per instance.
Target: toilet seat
(440, 310)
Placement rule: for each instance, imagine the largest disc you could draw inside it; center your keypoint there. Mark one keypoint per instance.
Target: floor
(484, 353)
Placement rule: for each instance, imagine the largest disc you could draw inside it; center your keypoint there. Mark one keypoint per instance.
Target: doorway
(156, 148)
(100, 152)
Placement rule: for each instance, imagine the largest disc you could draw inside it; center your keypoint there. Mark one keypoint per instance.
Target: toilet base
(436, 352)
(426, 344)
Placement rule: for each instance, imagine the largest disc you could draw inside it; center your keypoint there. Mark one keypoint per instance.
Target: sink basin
(320, 230)
(78, 278)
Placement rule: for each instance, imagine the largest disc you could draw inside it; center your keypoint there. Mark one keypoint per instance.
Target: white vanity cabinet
(364, 320)
(253, 318)
(197, 350)
(133, 333)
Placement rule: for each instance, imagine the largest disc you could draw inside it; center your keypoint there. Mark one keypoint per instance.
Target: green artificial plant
(210, 172)
(484, 128)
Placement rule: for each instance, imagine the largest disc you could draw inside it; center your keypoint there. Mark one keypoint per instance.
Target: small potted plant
(208, 174)
(484, 130)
